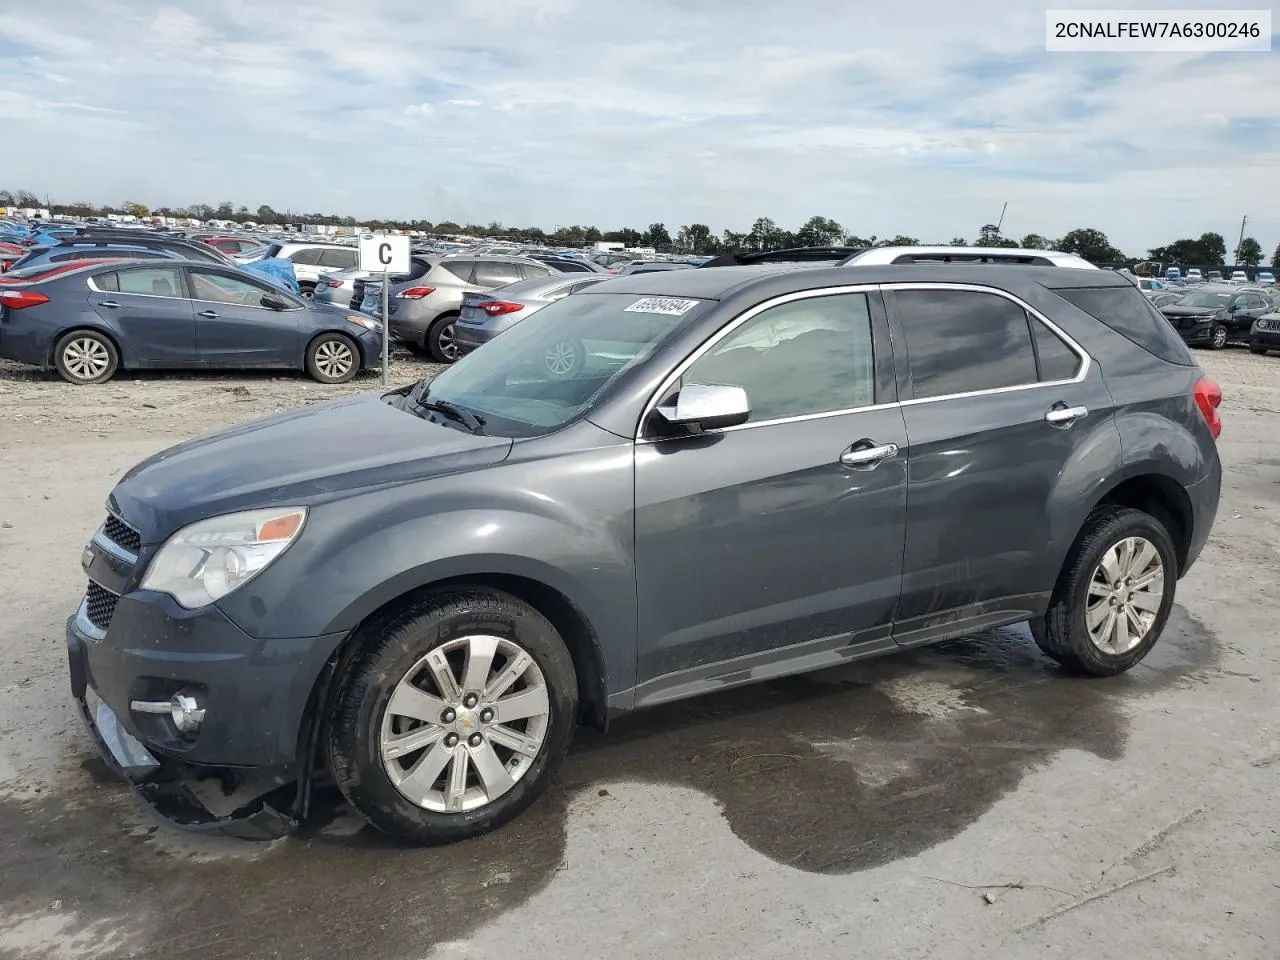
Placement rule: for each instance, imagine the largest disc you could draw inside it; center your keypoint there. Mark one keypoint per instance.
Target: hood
(1177, 310)
(304, 456)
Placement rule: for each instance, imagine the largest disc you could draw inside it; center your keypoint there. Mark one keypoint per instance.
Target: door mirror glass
(701, 406)
(275, 301)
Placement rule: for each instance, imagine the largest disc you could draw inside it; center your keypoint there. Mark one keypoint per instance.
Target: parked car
(346, 287)
(235, 246)
(1194, 275)
(566, 264)
(1213, 276)
(1266, 277)
(1265, 334)
(87, 319)
(1165, 297)
(1239, 276)
(425, 592)
(1215, 315)
(310, 260)
(485, 315)
(647, 266)
(423, 312)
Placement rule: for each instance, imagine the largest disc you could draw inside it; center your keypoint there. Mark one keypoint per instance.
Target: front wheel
(332, 358)
(455, 717)
(1114, 593)
(1218, 337)
(1258, 350)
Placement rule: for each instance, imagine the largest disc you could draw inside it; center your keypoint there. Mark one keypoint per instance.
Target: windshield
(545, 372)
(1215, 301)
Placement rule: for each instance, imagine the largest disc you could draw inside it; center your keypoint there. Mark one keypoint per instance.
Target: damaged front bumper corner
(167, 788)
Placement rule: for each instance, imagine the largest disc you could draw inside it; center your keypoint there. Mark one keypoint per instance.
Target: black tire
(439, 340)
(1218, 337)
(78, 354)
(391, 649)
(565, 359)
(308, 290)
(324, 354)
(1260, 351)
(1063, 634)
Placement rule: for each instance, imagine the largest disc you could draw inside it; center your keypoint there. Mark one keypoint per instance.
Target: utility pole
(1000, 222)
(1240, 242)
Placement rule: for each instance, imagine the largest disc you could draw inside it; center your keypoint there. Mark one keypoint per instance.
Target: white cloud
(923, 122)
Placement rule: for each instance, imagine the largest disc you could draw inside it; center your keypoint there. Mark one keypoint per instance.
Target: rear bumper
(24, 339)
(467, 338)
(1204, 496)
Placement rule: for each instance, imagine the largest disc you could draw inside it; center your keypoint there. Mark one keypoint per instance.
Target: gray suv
(753, 471)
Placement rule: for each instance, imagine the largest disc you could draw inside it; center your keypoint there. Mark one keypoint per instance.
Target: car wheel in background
(308, 290)
(85, 356)
(454, 716)
(440, 339)
(1114, 593)
(565, 358)
(1259, 350)
(333, 358)
(1218, 337)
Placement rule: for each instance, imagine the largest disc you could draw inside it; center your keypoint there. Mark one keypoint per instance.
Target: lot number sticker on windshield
(668, 306)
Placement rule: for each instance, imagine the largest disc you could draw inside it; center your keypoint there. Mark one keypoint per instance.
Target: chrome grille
(99, 605)
(117, 531)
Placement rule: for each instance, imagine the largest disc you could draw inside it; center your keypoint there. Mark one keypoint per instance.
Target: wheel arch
(101, 330)
(1159, 495)
(355, 345)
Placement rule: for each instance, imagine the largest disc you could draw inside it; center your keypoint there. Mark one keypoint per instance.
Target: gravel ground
(957, 802)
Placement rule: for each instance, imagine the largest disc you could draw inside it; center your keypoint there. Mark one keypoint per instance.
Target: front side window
(961, 341)
(537, 377)
(152, 281)
(217, 288)
(803, 357)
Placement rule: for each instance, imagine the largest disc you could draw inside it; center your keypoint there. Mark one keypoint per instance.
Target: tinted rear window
(1126, 311)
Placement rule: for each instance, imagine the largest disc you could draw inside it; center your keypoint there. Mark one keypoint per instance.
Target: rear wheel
(565, 358)
(85, 356)
(333, 358)
(1218, 337)
(1114, 593)
(440, 340)
(308, 290)
(455, 717)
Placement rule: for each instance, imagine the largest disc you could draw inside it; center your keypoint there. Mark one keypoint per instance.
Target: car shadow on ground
(831, 772)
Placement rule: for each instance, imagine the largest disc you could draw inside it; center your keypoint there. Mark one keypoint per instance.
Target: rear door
(997, 403)
(150, 308)
(234, 329)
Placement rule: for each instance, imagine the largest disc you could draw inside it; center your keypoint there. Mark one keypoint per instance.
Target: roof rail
(785, 255)
(883, 256)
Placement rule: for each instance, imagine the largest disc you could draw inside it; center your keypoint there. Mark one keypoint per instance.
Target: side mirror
(275, 302)
(702, 406)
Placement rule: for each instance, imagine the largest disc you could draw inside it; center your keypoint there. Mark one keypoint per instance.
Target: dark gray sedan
(485, 315)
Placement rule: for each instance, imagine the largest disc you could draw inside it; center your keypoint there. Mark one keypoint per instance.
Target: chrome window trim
(1085, 365)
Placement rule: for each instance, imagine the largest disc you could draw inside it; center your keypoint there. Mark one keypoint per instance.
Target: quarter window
(803, 357)
(462, 269)
(1055, 360)
(960, 341)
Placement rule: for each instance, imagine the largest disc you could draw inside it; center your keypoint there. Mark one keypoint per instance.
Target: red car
(233, 246)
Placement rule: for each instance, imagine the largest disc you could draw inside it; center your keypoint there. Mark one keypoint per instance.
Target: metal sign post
(386, 328)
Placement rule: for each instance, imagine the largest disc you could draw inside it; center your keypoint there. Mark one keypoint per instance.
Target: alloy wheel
(86, 358)
(560, 358)
(465, 724)
(334, 358)
(1125, 593)
(1220, 337)
(446, 341)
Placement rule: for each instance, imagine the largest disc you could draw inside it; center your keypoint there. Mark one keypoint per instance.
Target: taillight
(1208, 397)
(496, 308)
(333, 283)
(20, 299)
(415, 293)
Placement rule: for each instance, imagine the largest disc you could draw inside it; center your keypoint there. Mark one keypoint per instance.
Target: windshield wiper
(462, 414)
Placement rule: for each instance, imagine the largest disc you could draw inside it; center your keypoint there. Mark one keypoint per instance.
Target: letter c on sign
(384, 254)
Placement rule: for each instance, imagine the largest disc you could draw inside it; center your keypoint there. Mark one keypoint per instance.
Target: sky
(919, 117)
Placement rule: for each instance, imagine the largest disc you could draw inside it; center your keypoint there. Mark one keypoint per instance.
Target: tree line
(1209, 250)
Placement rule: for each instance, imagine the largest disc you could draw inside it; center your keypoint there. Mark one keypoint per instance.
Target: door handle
(208, 313)
(868, 456)
(1065, 415)
(109, 303)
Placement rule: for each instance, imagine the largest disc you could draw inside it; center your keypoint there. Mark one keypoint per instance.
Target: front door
(776, 545)
(234, 329)
(150, 308)
(1000, 406)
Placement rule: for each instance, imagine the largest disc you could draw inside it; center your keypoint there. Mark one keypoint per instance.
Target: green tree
(226, 210)
(657, 237)
(853, 240)
(267, 215)
(819, 232)
(735, 241)
(1275, 257)
(627, 236)
(1033, 241)
(1090, 244)
(1213, 248)
(137, 209)
(767, 235)
(696, 238)
(990, 236)
(591, 234)
(959, 242)
(1250, 252)
(901, 240)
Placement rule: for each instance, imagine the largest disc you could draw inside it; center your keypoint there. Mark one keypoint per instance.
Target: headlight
(207, 560)
(366, 322)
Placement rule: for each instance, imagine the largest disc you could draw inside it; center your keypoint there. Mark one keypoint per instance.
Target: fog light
(186, 713)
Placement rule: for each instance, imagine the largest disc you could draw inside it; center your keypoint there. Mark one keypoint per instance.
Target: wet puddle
(832, 772)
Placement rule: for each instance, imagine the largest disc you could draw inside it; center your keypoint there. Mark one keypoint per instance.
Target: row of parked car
(1215, 313)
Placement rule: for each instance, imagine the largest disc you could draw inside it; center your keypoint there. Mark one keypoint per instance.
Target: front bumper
(1201, 332)
(169, 789)
(1268, 336)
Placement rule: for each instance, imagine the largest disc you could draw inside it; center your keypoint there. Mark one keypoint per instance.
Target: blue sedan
(88, 319)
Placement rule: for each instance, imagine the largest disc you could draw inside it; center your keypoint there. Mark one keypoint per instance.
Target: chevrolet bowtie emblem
(86, 558)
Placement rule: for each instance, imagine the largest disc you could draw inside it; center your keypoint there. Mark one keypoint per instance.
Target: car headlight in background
(366, 322)
(207, 560)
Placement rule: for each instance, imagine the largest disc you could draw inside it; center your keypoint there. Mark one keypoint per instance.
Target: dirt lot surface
(956, 802)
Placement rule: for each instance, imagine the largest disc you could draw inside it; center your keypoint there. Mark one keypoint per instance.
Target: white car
(311, 260)
(1239, 276)
(1194, 275)
(1266, 276)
